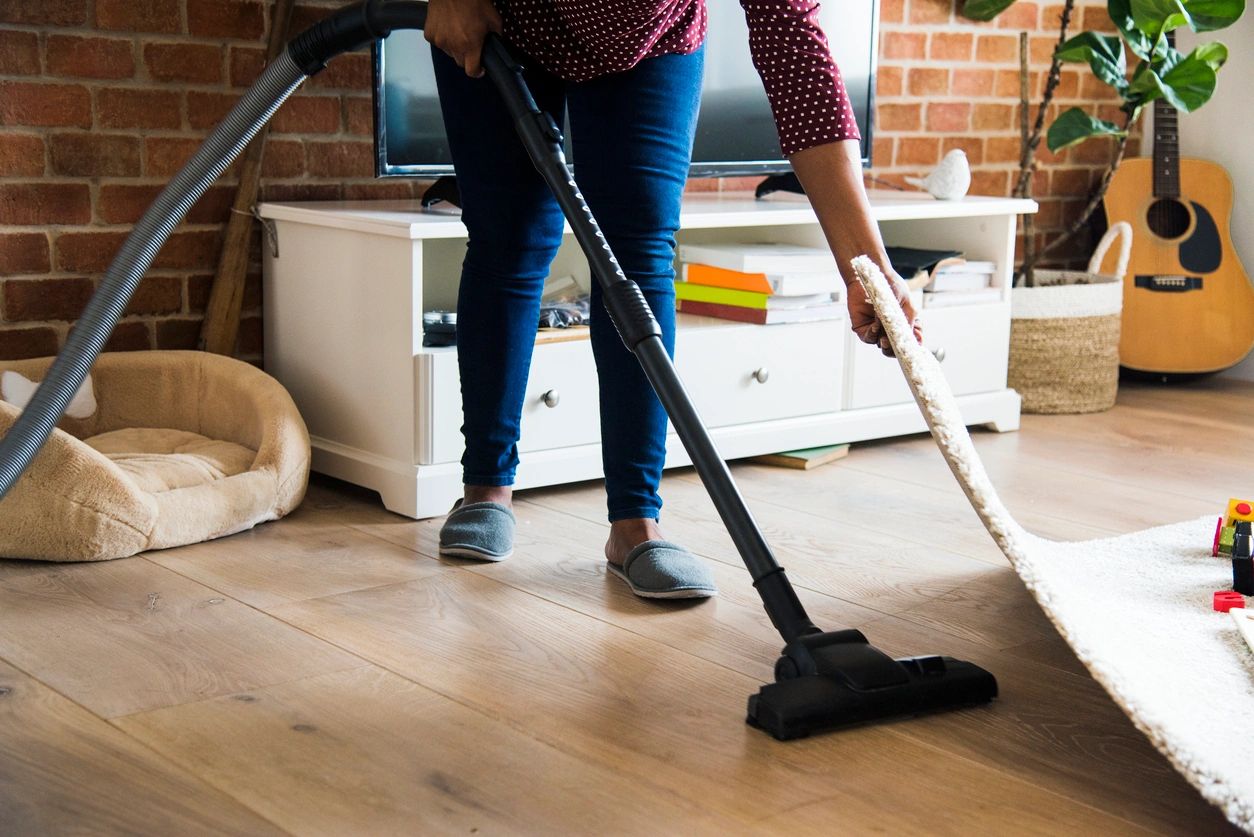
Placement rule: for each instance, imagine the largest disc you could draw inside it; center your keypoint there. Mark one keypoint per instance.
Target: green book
(745, 299)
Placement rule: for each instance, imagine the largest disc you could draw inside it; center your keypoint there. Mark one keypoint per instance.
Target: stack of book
(958, 282)
(759, 283)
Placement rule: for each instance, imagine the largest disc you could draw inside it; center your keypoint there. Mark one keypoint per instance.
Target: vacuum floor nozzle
(831, 680)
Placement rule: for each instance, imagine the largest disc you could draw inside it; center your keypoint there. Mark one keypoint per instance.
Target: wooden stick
(220, 328)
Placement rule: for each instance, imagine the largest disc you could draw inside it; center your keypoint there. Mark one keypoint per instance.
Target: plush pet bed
(158, 449)
(1178, 669)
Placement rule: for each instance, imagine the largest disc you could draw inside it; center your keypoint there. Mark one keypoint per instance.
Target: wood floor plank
(65, 771)
(634, 705)
(127, 636)
(367, 752)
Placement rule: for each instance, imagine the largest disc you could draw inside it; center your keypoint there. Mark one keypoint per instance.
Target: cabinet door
(972, 339)
(738, 374)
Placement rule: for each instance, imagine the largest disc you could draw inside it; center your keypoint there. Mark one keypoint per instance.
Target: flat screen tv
(735, 132)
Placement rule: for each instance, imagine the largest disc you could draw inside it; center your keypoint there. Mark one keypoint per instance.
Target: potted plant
(1065, 324)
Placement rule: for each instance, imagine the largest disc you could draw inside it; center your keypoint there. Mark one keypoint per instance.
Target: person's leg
(515, 228)
(632, 135)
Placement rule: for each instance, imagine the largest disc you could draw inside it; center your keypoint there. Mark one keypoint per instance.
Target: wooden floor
(327, 674)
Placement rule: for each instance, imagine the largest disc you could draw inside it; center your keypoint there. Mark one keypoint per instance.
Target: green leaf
(1209, 15)
(985, 9)
(1156, 17)
(1120, 12)
(1190, 84)
(1215, 54)
(1145, 87)
(1075, 126)
(1104, 54)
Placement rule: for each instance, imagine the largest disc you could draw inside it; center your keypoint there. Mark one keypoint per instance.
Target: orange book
(719, 277)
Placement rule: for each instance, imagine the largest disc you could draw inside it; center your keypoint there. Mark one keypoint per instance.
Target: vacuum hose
(346, 30)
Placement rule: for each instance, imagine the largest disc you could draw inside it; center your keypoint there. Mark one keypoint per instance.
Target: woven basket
(1064, 334)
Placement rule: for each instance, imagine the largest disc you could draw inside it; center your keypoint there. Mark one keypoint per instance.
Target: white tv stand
(344, 297)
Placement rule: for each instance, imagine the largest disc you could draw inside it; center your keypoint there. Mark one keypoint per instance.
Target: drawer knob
(551, 398)
(939, 354)
(761, 375)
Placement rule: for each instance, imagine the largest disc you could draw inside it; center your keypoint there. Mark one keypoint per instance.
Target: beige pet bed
(163, 449)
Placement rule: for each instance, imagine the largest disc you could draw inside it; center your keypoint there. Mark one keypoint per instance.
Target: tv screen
(735, 132)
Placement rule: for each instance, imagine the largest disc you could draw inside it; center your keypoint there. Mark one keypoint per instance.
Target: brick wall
(102, 100)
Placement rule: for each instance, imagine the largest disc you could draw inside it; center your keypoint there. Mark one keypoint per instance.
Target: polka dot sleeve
(802, 81)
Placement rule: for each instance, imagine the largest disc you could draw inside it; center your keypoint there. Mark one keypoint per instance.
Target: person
(628, 75)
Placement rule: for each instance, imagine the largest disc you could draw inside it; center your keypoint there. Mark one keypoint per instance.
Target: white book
(943, 282)
(790, 303)
(967, 267)
(795, 284)
(760, 258)
(952, 298)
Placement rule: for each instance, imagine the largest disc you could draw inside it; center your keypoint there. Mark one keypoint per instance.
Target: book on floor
(779, 284)
(762, 316)
(760, 258)
(805, 459)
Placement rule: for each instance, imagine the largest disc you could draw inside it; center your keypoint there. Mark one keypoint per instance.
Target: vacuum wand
(823, 679)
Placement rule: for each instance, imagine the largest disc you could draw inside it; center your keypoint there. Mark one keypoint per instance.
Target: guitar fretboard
(1166, 151)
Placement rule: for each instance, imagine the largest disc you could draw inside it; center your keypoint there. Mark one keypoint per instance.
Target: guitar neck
(1166, 151)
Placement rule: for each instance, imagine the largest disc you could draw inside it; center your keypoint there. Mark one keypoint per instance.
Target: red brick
(45, 299)
(950, 117)
(993, 118)
(951, 46)
(205, 110)
(905, 45)
(300, 192)
(121, 107)
(44, 105)
(892, 11)
(129, 337)
(394, 189)
(198, 287)
(1002, 49)
(37, 204)
(931, 11)
(1041, 49)
(157, 295)
(1073, 182)
(250, 333)
(340, 159)
(1007, 84)
(895, 117)
(1051, 17)
(214, 206)
(1068, 85)
(308, 115)
(1095, 150)
(181, 62)
(1020, 15)
(87, 252)
(190, 250)
(21, 155)
(1096, 18)
(347, 72)
(995, 183)
(1092, 87)
(44, 12)
(246, 63)
(124, 203)
(882, 151)
(24, 253)
(973, 146)
(917, 151)
(139, 15)
(178, 334)
(968, 82)
(226, 19)
(304, 16)
(927, 81)
(20, 343)
(283, 158)
(359, 116)
(1002, 150)
(163, 156)
(73, 55)
(19, 53)
(889, 81)
(94, 155)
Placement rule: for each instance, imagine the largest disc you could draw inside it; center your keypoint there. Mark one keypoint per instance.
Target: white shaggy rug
(1136, 609)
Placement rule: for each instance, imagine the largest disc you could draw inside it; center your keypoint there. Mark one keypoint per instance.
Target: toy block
(1245, 624)
(1219, 529)
(1226, 600)
(1226, 535)
(1243, 565)
(1239, 510)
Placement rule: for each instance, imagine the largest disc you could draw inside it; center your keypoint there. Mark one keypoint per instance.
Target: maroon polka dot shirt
(582, 39)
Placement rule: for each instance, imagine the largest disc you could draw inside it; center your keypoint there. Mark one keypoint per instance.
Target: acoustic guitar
(1187, 302)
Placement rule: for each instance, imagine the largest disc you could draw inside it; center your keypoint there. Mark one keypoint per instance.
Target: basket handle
(1122, 231)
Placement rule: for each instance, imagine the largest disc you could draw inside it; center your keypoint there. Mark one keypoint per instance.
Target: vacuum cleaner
(823, 679)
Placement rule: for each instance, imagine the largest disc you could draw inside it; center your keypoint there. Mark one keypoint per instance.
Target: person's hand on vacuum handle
(459, 27)
(832, 177)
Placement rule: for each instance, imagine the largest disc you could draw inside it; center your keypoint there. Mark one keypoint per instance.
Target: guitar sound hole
(1167, 218)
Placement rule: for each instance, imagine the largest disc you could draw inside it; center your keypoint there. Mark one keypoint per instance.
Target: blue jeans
(632, 138)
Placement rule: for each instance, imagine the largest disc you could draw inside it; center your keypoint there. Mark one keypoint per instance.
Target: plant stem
(1094, 201)
(1027, 162)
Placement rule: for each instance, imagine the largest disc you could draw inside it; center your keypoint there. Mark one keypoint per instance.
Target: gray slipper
(484, 531)
(665, 570)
